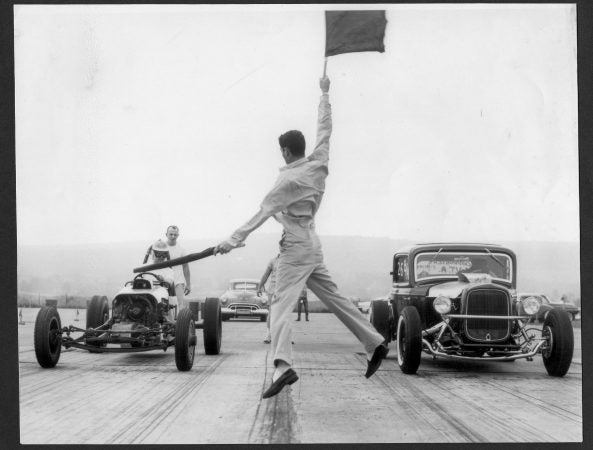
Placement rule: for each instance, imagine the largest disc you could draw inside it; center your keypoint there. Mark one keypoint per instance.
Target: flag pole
(324, 66)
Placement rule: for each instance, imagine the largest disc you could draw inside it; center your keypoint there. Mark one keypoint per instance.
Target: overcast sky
(133, 117)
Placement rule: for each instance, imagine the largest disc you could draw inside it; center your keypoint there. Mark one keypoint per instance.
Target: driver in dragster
(160, 254)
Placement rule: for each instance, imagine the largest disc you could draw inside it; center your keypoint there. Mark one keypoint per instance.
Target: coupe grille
(487, 302)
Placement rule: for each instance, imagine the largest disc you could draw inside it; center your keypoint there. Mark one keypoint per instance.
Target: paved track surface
(141, 398)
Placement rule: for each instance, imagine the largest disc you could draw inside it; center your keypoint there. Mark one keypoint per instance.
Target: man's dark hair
(294, 141)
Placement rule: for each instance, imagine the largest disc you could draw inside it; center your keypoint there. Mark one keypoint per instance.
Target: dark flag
(354, 31)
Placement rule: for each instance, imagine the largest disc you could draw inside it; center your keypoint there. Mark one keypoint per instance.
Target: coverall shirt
(293, 201)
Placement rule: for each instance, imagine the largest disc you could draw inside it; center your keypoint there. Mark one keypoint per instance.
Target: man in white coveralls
(294, 201)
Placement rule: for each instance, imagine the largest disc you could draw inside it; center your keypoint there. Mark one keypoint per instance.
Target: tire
(48, 337)
(379, 318)
(409, 340)
(263, 318)
(558, 330)
(212, 326)
(97, 312)
(543, 314)
(185, 340)
(96, 315)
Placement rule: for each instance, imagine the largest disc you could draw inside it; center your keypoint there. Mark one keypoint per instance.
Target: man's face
(172, 234)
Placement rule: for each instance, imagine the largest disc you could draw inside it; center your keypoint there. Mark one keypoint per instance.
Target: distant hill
(359, 265)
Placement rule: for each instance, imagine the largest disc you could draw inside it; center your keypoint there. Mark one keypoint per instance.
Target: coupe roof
(451, 245)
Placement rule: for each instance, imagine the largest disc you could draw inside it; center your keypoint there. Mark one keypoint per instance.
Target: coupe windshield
(243, 285)
(444, 264)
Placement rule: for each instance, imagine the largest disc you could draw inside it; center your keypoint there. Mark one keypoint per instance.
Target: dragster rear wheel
(48, 337)
(212, 326)
(185, 340)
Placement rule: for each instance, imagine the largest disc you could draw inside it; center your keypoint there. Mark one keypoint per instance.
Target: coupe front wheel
(380, 319)
(557, 354)
(409, 340)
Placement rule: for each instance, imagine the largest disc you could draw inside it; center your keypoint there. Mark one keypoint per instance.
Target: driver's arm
(187, 276)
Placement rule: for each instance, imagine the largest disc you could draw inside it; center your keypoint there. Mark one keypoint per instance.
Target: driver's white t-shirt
(177, 251)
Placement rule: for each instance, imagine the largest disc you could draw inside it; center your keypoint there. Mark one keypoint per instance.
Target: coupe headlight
(264, 301)
(531, 305)
(223, 300)
(442, 305)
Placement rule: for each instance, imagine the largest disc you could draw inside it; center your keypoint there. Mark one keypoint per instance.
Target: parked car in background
(240, 300)
(458, 301)
(547, 305)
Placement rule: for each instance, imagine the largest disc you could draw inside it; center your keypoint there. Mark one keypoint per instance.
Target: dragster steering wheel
(155, 276)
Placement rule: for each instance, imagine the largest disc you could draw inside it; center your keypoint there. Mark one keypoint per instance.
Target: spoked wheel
(379, 318)
(409, 340)
(557, 354)
(97, 314)
(185, 340)
(212, 326)
(48, 337)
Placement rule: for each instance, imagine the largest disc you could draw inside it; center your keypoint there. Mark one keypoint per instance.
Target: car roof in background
(244, 280)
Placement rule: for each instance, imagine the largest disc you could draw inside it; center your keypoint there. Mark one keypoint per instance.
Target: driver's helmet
(160, 249)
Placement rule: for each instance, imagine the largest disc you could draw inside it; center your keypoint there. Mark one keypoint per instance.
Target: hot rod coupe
(143, 317)
(459, 301)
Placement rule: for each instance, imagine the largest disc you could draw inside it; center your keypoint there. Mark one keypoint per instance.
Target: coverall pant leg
(303, 304)
(291, 277)
(321, 284)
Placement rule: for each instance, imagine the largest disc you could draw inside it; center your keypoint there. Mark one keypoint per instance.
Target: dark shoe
(298, 320)
(267, 341)
(285, 379)
(307, 319)
(378, 356)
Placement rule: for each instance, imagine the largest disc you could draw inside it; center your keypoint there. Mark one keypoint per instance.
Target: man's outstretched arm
(324, 124)
(237, 238)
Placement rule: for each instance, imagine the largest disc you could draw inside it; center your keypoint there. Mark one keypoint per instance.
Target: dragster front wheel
(185, 340)
(48, 337)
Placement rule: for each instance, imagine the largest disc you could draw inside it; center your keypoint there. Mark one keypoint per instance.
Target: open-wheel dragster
(143, 318)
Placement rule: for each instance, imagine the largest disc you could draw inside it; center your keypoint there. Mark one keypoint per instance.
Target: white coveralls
(294, 201)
